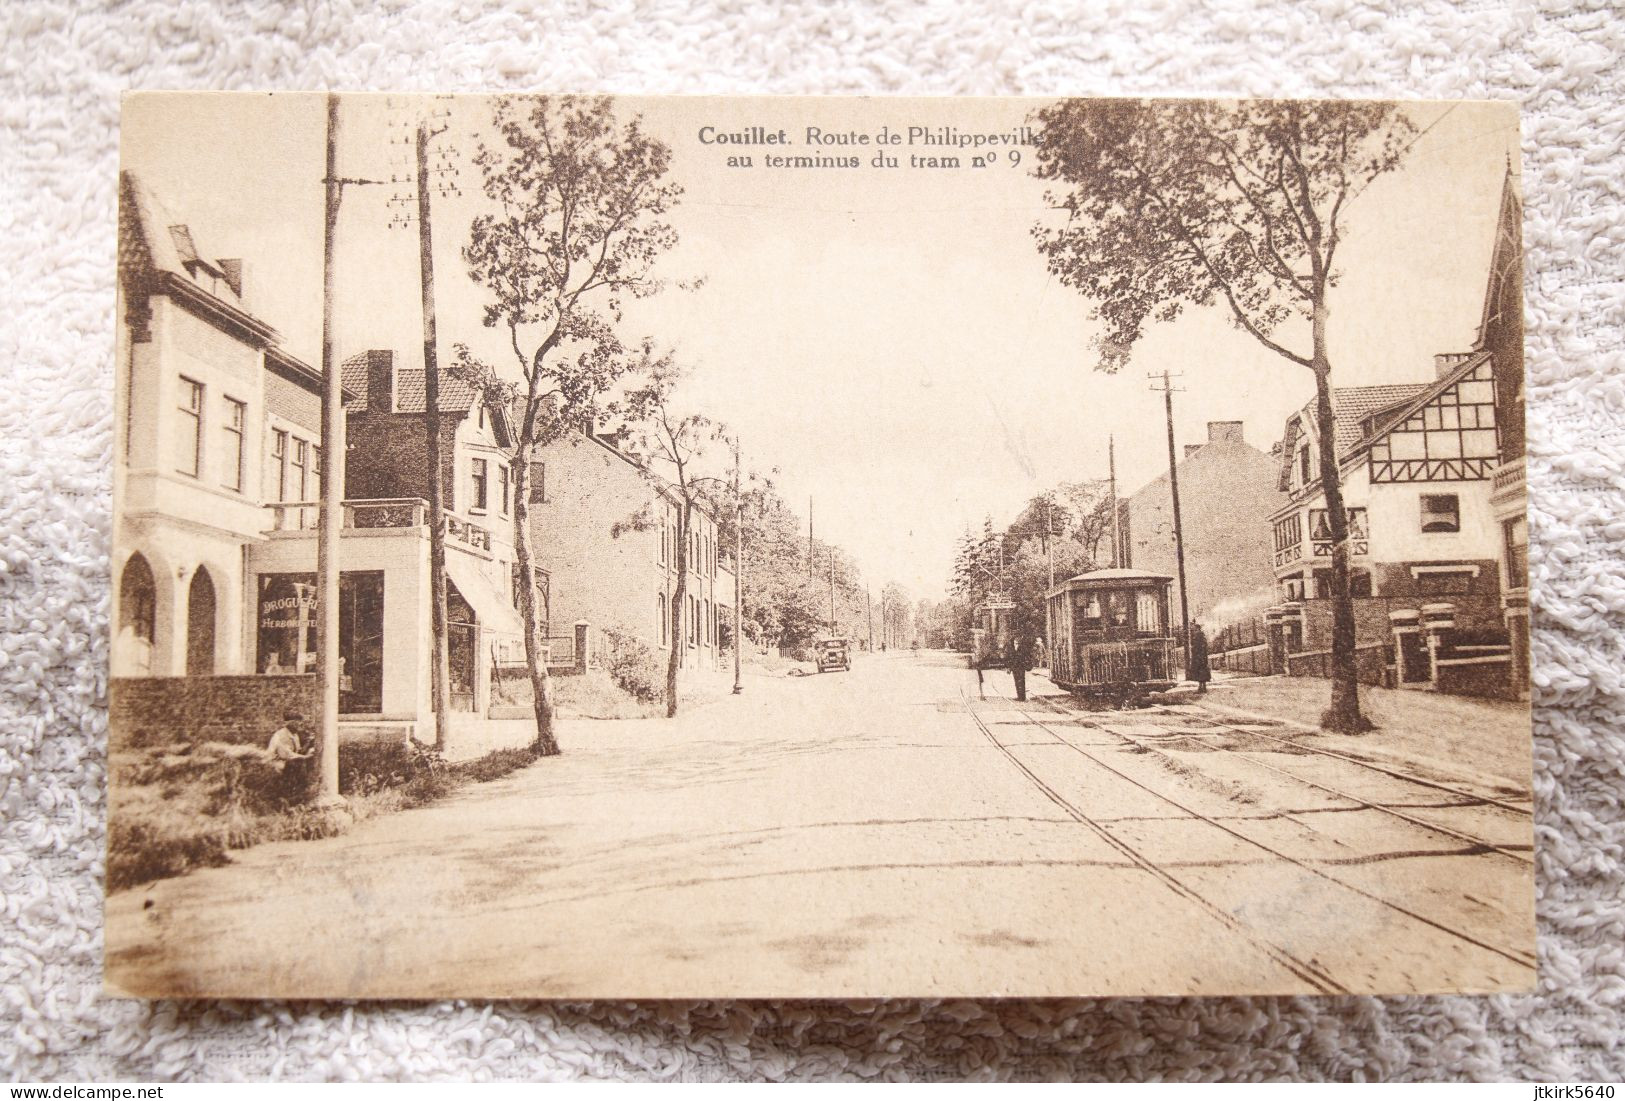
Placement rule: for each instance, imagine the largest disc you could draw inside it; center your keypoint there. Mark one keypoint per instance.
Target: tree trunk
(541, 684)
(679, 603)
(1343, 716)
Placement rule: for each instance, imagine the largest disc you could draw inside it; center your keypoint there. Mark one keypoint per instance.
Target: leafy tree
(578, 201)
(1234, 205)
(669, 447)
(896, 615)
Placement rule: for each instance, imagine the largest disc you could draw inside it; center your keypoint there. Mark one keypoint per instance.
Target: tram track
(1520, 854)
(1515, 956)
(1308, 972)
(1474, 797)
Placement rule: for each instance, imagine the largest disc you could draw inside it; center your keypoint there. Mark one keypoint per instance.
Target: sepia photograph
(720, 547)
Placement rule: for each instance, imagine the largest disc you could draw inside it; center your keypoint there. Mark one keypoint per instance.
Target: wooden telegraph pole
(330, 514)
(441, 674)
(1179, 531)
(331, 517)
(832, 591)
(1117, 534)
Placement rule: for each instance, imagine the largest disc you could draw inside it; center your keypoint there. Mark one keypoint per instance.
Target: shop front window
(285, 629)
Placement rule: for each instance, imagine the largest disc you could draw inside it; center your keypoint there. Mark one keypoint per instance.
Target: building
(605, 531)
(1432, 480)
(1227, 492)
(216, 487)
(214, 421)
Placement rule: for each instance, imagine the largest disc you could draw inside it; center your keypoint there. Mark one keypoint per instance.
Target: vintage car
(833, 654)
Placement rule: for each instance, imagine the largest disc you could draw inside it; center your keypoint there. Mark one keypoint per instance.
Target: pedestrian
(1019, 656)
(1201, 672)
(290, 747)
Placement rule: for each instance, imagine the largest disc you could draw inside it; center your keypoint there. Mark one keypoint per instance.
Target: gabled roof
(411, 391)
(158, 256)
(1351, 405)
(1508, 248)
(458, 396)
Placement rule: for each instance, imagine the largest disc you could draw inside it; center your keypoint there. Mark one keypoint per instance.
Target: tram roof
(1114, 574)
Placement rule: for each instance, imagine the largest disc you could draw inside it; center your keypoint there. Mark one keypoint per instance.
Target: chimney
(1445, 362)
(1228, 431)
(233, 271)
(380, 380)
(1191, 449)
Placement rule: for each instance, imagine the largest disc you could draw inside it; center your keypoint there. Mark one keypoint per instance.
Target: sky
(886, 338)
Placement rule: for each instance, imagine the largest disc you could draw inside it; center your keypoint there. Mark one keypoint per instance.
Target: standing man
(1019, 655)
(1201, 672)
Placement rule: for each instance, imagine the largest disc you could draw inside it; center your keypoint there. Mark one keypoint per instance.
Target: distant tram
(1110, 635)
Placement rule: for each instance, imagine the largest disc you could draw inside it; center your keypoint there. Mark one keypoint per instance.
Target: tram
(1110, 635)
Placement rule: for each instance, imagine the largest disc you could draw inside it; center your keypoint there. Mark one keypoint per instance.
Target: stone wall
(247, 710)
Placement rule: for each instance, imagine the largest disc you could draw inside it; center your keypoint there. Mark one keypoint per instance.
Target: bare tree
(669, 446)
(1235, 205)
(577, 224)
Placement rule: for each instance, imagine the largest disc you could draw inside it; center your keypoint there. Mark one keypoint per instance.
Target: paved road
(879, 832)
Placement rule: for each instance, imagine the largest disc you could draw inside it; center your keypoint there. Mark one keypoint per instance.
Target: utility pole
(739, 572)
(869, 610)
(441, 675)
(330, 514)
(1049, 540)
(1117, 534)
(1179, 532)
(832, 592)
(330, 519)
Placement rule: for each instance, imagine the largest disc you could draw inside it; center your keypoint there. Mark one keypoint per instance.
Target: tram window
(1146, 619)
(1119, 609)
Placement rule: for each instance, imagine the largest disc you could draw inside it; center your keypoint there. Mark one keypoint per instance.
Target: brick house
(1227, 492)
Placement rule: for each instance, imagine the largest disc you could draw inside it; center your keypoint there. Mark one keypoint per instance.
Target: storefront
(285, 633)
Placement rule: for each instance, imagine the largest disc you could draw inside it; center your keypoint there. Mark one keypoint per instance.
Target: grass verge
(178, 807)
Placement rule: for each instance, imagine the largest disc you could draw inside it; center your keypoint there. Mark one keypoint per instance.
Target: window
(693, 621)
(665, 537)
(1288, 539)
(316, 471)
(232, 429)
(537, 493)
(1441, 512)
(502, 489)
(189, 439)
(301, 464)
(664, 611)
(480, 477)
(1303, 465)
(279, 463)
(1320, 532)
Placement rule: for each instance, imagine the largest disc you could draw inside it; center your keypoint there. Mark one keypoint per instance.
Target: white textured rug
(61, 71)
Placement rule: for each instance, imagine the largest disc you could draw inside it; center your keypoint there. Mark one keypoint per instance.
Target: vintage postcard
(605, 547)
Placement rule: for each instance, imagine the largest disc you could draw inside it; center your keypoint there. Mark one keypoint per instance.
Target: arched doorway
(200, 625)
(137, 617)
